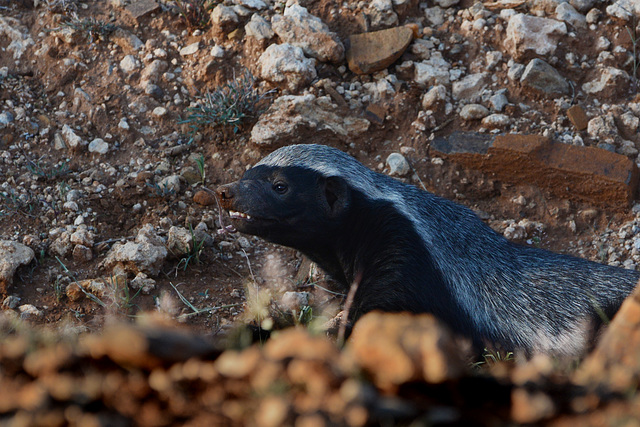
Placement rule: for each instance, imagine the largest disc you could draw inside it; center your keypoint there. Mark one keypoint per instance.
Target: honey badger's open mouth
(238, 215)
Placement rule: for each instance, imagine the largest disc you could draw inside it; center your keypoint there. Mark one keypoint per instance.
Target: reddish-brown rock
(578, 117)
(204, 198)
(585, 174)
(375, 51)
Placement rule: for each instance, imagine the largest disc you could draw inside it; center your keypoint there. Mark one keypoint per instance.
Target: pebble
(190, 49)
(98, 146)
(129, 64)
(473, 112)
(397, 164)
(159, 111)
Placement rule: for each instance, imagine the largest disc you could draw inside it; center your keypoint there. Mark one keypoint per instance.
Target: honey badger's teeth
(234, 214)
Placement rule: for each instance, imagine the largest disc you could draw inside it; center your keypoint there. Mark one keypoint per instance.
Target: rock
(128, 41)
(146, 255)
(224, 18)
(6, 118)
(398, 165)
(585, 174)
(286, 65)
(252, 4)
(528, 34)
(578, 117)
(62, 246)
(82, 253)
(611, 81)
(470, 87)
(11, 302)
(18, 35)
(259, 28)
(143, 283)
(398, 348)
(498, 101)
(624, 9)
(437, 94)
(190, 49)
(141, 8)
(473, 112)
(565, 12)
(298, 27)
(172, 183)
(292, 119)
(153, 71)
(204, 198)
(593, 16)
(129, 63)
(422, 48)
(12, 256)
(27, 310)
(381, 14)
(602, 127)
(433, 71)
(159, 111)
(582, 6)
(179, 241)
(375, 51)
(515, 71)
(496, 121)
(98, 146)
(294, 301)
(629, 122)
(543, 77)
(82, 236)
(530, 407)
(72, 141)
(446, 3)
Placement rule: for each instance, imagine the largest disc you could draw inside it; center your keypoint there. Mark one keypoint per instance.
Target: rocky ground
(115, 116)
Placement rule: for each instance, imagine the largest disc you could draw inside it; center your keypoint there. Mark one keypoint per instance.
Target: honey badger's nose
(225, 192)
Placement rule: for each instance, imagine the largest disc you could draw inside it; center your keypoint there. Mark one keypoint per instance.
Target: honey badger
(414, 251)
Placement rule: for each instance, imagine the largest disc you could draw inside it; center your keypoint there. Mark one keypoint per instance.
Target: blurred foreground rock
(395, 369)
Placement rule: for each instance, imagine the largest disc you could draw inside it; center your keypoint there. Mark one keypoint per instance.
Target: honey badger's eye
(280, 187)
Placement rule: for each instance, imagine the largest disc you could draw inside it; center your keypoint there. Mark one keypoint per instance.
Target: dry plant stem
(347, 307)
(224, 229)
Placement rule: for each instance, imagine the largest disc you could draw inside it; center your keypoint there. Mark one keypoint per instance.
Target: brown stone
(204, 198)
(142, 8)
(375, 51)
(585, 174)
(578, 117)
(376, 113)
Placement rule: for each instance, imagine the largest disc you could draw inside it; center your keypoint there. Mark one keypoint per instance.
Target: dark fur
(421, 253)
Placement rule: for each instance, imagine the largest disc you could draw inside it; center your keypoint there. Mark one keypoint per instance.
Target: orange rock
(578, 117)
(204, 198)
(375, 51)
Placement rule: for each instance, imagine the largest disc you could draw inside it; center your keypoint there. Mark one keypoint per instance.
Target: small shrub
(94, 29)
(195, 13)
(228, 105)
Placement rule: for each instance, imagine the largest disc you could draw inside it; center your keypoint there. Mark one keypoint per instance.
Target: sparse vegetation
(94, 29)
(13, 203)
(491, 357)
(161, 190)
(47, 172)
(195, 13)
(193, 255)
(201, 168)
(229, 105)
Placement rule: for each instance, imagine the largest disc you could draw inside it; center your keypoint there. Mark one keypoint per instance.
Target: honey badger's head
(289, 205)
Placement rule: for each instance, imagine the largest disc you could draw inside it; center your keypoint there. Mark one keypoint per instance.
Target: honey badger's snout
(225, 195)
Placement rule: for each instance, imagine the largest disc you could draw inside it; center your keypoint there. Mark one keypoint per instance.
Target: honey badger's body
(422, 253)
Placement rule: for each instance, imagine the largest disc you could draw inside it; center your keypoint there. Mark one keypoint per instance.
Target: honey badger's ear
(336, 194)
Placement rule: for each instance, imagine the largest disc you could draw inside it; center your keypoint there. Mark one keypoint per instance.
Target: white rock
(294, 301)
(252, 4)
(143, 282)
(159, 111)
(493, 58)
(630, 122)
(397, 164)
(541, 76)
(381, 14)
(565, 12)
(98, 146)
(172, 183)
(515, 71)
(224, 17)
(473, 112)
(610, 78)
(70, 206)
(290, 118)
(433, 71)
(123, 124)
(5, 118)
(499, 101)
(602, 127)
(434, 15)
(624, 9)
(496, 121)
(446, 3)
(129, 64)
(532, 34)
(582, 6)
(17, 34)
(136, 257)
(27, 310)
(190, 49)
(73, 141)
(12, 256)
(470, 87)
(82, 236)
(286, 64)
(299, 28)
(179, 241)
(217, 51)
(259, 28)
(435, 95)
